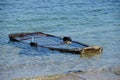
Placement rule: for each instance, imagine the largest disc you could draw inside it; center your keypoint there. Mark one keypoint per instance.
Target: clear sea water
(94, 22)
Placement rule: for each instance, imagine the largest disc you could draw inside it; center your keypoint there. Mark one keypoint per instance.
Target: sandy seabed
(77, 76)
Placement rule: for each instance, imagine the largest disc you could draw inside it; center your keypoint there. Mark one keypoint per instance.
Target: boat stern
(91, 51)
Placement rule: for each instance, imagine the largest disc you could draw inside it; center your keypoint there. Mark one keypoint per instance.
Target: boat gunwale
(13, 36)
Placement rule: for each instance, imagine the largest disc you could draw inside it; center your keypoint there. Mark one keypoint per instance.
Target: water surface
(94, 22)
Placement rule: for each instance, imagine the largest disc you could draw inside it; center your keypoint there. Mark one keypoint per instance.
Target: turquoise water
(94, 22)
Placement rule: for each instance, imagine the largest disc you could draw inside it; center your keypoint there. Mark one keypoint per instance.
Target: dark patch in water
(34, 52)
(75, 71)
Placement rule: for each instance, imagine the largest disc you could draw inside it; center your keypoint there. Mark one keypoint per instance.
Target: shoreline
(77, 76)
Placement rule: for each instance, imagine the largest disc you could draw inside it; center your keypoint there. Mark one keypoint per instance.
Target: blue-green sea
(93, 22)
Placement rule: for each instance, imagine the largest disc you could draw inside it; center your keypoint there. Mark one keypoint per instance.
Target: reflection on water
(94, 22)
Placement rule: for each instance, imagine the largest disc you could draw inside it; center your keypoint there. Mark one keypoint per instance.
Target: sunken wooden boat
(39, 39)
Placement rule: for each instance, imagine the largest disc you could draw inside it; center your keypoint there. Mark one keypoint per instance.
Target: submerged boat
(39, 39)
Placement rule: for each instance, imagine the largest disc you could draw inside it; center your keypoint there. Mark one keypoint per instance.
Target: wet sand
(77, 76)
(70, 76)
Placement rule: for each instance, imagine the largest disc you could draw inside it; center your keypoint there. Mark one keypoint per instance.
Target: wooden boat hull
(54, 43)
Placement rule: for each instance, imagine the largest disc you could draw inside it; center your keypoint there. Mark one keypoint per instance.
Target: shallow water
(94, 22)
